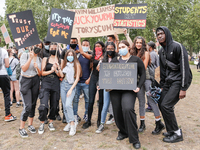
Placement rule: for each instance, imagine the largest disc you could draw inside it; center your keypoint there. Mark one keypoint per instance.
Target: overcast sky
(2, 4)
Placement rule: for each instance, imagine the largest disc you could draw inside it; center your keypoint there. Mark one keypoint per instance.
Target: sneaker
(72, 130)
(10, 118)
(14, 101)
(86, 125)
(67, 127)
(81, 96)
(46, 121)
(51, 127)
(148, 110)
(78, 118)
(18, 105)
(58, 117)
(110, 120)
(85, 117)
(23, 133)
(31, 129)
(100, 129)
(10, 104)
(41, 129)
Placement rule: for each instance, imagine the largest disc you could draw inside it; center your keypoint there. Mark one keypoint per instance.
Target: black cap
(45, 40)
(152, 44)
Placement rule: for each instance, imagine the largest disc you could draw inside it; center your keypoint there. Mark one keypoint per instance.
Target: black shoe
(78, 118)
(64, 119)
(20, 100)
(14, 101)
(166, 134)
(120, 137)
(148, 110)
(86, 125)
(137, 145)
(98, 123)
(58, 117)
(159, 127)
(142, 126)
(173, 138)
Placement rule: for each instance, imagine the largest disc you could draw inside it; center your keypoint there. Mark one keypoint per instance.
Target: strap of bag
(11, 61)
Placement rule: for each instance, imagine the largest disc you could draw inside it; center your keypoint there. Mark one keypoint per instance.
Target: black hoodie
(179, 57)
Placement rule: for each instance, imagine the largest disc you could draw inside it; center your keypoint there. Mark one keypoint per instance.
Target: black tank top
(48, 67)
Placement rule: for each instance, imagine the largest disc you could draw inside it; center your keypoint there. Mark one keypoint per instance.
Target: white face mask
(85, 49)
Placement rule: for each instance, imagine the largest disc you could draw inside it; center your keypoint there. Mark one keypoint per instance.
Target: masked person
(29, 88)
(45, 51)
(50, 88)
(175, 79)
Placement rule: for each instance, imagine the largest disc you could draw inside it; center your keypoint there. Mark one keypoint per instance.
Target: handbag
(9, 71)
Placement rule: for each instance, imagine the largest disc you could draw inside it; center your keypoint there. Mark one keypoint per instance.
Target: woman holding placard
(29, 87)
(123, 101)
(50, 88)
(139, 49)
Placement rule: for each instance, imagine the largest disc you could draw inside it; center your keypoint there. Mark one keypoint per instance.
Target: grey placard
(120, 76)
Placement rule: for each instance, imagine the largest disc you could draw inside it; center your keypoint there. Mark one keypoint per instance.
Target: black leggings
(123, 103)
(92, 92)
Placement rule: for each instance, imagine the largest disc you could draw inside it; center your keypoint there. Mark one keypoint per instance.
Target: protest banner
(60, 26)
(5, 33)
(23, 29)
(130, 16)
(94, 22)
(118, 76)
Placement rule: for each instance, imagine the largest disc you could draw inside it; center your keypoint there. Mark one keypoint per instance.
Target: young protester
(97, 55)
(123, 101)
(84, 58)
(139, 49)
(175, 79)
(29, 88)
(72, 70)
(14, 83)
(50, 88)
(5, 84)
(108, 56)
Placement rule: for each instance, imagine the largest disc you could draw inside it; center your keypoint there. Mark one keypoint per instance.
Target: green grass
(196, 76)
(191, 62)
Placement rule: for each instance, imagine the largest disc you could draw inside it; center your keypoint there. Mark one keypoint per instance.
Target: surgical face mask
(26, 51)
(70, 58)
(46, 47)
(123, 51)
(73, 46)
(85, 49)
(52, 52)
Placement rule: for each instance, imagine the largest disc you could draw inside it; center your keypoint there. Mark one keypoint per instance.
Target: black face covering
(111, 53)
(52, 52)
(73, 46)
(36, 50)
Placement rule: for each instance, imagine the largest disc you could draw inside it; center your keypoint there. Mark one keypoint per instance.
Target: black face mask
(73, 46)
(36, 50)
(111, 53)
(52, 52)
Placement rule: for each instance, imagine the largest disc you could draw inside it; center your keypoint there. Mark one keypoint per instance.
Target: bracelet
(126, 34)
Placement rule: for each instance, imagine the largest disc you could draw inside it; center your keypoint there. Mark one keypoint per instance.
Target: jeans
(67, 101)
(85, 88)
(106, 103)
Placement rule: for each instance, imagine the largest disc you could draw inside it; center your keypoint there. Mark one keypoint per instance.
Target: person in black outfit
(175, 79)
(123, 101)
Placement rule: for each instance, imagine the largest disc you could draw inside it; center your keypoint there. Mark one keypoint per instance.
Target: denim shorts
(13, 77)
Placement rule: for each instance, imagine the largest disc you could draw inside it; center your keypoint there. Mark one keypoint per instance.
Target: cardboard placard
(23, 29)
(60, 26)
(119, 76)
(94, 22)
(5, 33)
(130, 16)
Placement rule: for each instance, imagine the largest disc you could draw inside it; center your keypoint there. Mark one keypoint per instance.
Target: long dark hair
(76, 62)
(105, 58)
(54, 43)
(103, 49)
(140, 53)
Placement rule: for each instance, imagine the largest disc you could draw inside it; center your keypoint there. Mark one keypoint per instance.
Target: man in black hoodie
(175, 79)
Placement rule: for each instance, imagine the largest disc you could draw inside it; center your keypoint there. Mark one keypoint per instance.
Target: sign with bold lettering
(23, 29)
(130, 16)
(119, 76)
(94, 22)
(5, 34)
(60, 26)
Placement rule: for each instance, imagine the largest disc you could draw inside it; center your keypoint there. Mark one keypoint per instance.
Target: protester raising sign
(5, 34)
(23, 29)
(94, 22)
(130, 16)
(60, 26)
(118, 76)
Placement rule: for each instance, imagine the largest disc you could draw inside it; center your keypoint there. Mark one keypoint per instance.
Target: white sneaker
(67, 127)
(51, 127)
(110, 121)
(72, 130)
(41, 128)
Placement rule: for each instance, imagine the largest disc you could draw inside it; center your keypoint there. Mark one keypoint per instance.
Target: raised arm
(128, 37)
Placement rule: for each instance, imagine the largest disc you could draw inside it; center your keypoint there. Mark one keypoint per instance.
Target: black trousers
(29, 88)
(50, 89)
(92, 92)
(169, 97)
(5, 86)
(123, 103)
